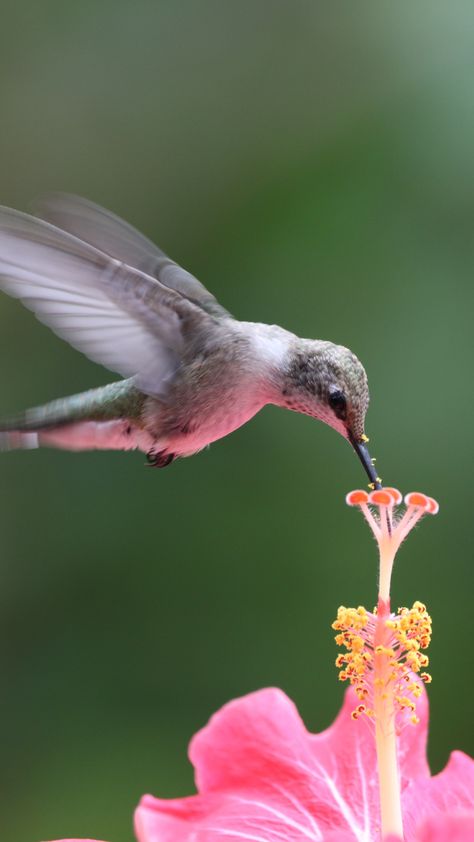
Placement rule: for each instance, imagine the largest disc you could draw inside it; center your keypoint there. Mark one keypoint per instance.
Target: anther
(357, 498)
(380, 498)
(433, 506)
(415, 498)
(395, 495)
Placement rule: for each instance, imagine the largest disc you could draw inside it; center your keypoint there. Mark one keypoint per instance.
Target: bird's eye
(337, 402)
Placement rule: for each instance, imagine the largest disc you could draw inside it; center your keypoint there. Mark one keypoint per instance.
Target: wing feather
(112, 235)
(117, 315)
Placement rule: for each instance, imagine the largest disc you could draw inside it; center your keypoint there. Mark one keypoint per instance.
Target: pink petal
(261, 776)
(458, 827)
(248, 731)
(445, 794)
(337, 836)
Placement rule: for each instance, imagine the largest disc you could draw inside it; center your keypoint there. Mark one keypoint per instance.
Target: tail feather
(18, 440)
(121, 434)
(100, 419)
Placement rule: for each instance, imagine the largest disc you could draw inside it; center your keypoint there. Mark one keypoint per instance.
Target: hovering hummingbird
(192, 372)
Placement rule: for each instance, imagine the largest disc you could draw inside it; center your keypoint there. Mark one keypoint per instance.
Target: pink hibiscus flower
(261, 777)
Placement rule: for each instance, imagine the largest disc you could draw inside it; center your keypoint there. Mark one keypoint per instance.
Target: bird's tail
(100, 419)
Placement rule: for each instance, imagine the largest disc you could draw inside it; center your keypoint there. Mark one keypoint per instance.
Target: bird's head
(328, 382)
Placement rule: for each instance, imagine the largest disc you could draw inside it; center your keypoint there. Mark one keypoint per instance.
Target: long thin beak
(364, 456)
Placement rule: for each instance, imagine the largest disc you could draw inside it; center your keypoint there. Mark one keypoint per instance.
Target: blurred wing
(117, 238)
(116, 315)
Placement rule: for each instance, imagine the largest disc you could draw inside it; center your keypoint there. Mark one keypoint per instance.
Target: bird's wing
(118, 316)
(114, 236)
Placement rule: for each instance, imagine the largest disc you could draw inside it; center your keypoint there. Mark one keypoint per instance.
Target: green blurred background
(313, 164)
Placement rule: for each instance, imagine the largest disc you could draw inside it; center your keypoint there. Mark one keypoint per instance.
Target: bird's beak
(364, 456)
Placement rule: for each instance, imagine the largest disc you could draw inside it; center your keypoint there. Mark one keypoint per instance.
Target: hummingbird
(191, 372)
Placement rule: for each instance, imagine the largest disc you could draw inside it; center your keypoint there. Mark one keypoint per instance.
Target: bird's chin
(336, 424)
(326, 416)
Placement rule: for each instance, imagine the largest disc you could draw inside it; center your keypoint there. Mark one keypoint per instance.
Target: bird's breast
(220, 388)
(199, 430)
(191, 424)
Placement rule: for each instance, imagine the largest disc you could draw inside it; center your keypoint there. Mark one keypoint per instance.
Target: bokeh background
(313, 164)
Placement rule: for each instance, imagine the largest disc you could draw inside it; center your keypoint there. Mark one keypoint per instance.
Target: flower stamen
(391, 665)
(384, 662)
(390, 526)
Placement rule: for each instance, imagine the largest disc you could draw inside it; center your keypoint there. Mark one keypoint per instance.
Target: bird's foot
(160, 459)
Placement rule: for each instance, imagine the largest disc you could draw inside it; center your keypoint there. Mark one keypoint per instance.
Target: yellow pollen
(405, 702)
(384, 658)
(357, 644)
(385, 671)
(384, 650)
